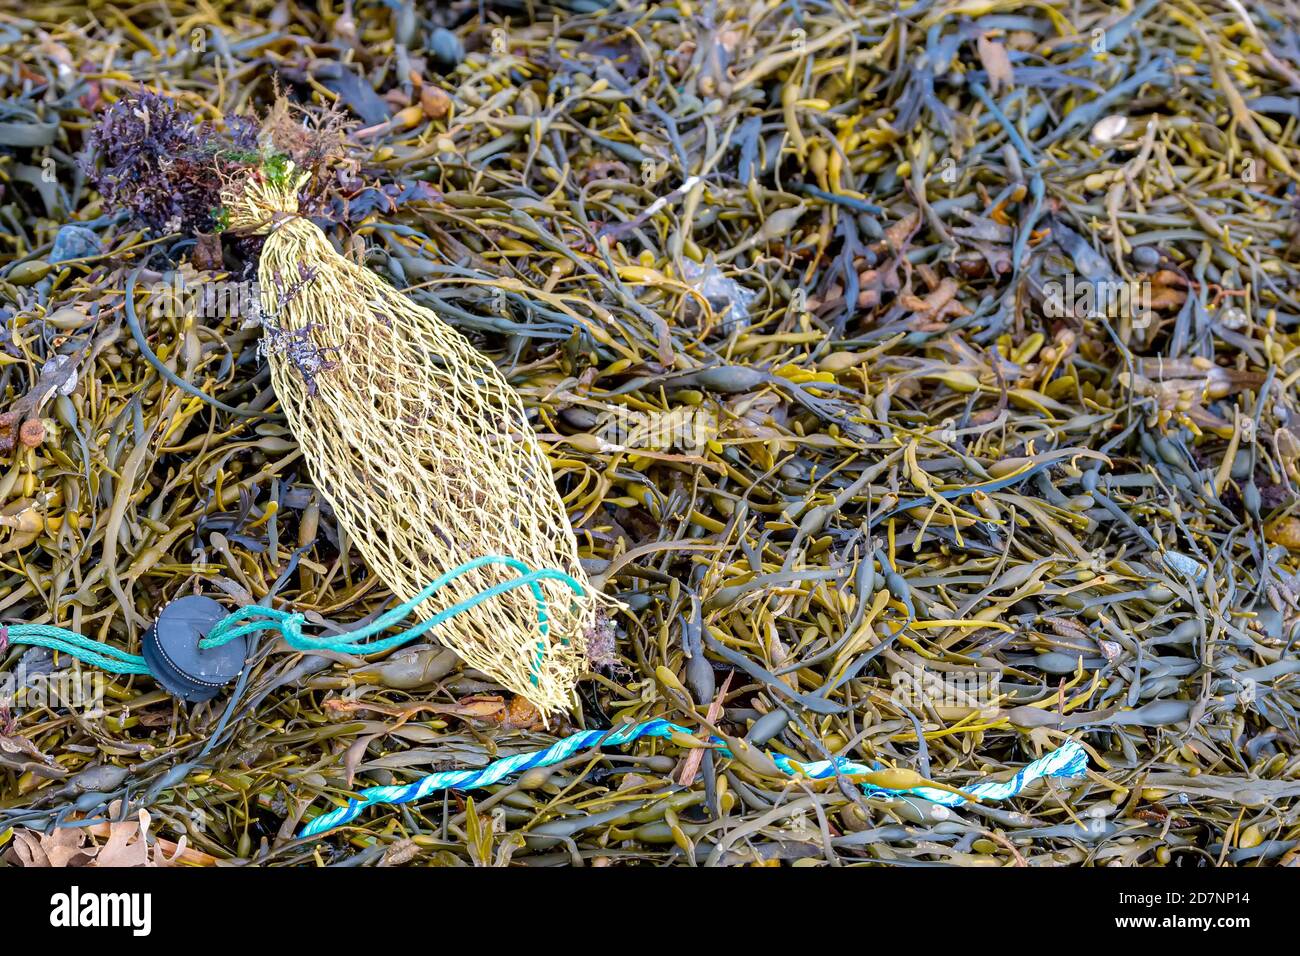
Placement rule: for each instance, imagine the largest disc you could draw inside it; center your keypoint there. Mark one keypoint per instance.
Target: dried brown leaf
(62, 848)
(127, 844)
(994, 57)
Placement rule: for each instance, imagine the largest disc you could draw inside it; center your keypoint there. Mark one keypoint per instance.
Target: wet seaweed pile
(921, 381)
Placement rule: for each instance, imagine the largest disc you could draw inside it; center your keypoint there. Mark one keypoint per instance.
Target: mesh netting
(421, 447)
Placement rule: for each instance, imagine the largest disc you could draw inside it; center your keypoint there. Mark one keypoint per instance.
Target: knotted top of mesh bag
(261, 198)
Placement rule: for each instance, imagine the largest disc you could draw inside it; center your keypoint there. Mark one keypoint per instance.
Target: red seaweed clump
(150, 156)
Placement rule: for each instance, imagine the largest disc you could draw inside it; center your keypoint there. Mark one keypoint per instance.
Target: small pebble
(74, 242)
(446, 48)
(1146, 257)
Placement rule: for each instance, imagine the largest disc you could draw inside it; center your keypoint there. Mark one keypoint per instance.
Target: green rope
(289, 625)
(104, 656)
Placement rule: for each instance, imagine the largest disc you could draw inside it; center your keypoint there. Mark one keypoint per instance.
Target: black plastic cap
(171, 649)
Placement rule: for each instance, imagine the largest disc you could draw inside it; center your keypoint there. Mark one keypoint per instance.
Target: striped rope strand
(1069, 760)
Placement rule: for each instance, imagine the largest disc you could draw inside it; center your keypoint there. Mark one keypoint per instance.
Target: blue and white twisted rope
(1069, 760)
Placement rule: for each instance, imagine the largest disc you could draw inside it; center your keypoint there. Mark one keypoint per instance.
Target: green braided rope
(289, 624)
(104, 656)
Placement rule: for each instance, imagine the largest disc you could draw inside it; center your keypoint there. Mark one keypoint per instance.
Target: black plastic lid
(171, 649)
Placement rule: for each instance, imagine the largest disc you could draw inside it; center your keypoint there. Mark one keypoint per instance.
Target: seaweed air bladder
(420, 445)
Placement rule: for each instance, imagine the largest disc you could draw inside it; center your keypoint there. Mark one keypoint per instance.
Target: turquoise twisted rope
(104, 656)
(253, 618)
(1069, 760)
(289, 625)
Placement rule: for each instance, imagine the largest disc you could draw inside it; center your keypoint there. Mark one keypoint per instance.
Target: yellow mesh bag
(421, 447)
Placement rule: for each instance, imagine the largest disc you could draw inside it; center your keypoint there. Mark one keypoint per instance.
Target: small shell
(1284, 531)
(1186, 565)
(1109, 128)
(32, 433)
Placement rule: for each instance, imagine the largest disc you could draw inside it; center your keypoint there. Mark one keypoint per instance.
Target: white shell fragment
(1186, 565)
(1109, 129)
